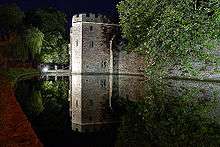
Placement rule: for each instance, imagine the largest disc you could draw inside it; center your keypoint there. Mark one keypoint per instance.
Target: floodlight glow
(45, 69)
(75, 67)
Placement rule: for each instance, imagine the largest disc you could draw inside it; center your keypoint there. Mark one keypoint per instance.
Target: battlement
(89, 17)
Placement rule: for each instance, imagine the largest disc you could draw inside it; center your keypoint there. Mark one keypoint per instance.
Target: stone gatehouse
(94, 48)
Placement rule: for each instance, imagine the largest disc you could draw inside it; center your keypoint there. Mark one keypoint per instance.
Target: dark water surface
(110, 110)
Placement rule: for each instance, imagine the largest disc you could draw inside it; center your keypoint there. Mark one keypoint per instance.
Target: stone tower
(90, 42)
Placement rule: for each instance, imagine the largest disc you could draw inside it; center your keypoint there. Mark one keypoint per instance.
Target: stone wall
(76, 48)
(130, 63)
(95, 52)
(204, 70)
(93, 48)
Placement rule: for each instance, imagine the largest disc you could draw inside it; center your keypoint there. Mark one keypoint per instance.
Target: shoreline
(179, 78)
(15, 128)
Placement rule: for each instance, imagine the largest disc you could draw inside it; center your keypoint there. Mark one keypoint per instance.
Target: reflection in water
(91, 104)
(92, 98)
(119, 110)
(173, 114)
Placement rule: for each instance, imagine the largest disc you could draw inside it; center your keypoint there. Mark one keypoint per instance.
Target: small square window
(91, 28)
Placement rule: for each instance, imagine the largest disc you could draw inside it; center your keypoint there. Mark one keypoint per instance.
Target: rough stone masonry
(94, 49)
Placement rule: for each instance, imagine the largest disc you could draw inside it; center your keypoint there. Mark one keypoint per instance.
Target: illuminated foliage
(33, 39)
(52, 23)
(55, 49)
(171, 32)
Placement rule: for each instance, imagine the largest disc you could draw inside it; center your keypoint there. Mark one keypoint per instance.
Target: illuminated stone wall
(95, 57)
(92, 38)
(76, 48)
(131, 63)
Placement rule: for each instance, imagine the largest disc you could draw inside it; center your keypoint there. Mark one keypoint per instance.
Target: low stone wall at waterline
(204, 71)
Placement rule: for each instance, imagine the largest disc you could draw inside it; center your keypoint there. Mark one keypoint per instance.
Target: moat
(120, 110)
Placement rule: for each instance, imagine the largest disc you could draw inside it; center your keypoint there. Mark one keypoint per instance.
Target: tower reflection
(92, 99)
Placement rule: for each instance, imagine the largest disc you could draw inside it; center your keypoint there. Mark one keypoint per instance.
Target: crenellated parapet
(89, 17)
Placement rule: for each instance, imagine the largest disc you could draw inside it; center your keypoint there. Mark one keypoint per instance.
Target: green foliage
(26, 45)
(45, 102)
(42, 29)
(33, 39)
(11, 20)
(52, 23)
(171, 32)
(55, 100)
(55, 49)
(11, 17)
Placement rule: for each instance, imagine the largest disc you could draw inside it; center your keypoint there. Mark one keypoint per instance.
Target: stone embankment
(15, 129)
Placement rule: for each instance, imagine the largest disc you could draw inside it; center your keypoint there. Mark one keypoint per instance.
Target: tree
(171, 32)
(48, 20)
(52, 23)
(55, 49)
(17, 49)
(11, 17)
(33, 40)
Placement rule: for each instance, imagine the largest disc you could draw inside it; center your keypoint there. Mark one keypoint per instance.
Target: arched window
(103, 64)
(91, 44)
(103, 83)
(77, 103)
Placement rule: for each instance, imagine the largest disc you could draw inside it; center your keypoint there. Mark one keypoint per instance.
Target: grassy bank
(15, 74)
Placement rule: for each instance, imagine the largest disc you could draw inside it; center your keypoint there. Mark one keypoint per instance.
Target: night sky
(70, 7)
